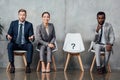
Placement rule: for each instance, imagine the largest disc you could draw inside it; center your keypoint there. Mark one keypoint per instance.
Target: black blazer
(13, 30)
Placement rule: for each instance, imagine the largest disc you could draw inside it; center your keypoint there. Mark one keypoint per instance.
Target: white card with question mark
(73, 43)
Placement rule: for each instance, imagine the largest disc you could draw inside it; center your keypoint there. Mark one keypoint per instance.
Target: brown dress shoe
(104, 70)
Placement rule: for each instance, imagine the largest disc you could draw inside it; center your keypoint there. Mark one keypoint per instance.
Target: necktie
(19, 39)
(101, 34)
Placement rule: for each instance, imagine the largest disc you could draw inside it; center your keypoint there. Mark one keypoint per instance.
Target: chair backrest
(73, 43)
(54, 50)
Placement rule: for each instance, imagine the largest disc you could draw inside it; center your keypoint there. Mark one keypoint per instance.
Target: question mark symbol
(73, 45)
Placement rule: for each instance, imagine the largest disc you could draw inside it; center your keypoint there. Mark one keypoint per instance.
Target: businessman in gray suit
(45, 37)
(104, 40)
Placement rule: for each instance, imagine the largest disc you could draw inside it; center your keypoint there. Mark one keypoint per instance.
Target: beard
(101, 23)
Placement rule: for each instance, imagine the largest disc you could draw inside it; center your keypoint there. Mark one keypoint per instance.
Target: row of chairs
(73, 45)
(23, 54)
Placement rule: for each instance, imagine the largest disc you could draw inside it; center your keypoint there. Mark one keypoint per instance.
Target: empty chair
(73, 45)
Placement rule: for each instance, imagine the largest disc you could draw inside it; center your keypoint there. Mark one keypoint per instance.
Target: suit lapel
(50, 30)
(105, 30)
(16, 27)
(25, 27)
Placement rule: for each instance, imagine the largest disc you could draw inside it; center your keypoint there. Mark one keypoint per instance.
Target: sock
(28, 64)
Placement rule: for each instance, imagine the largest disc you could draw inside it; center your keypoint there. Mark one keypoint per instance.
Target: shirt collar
(21, 22)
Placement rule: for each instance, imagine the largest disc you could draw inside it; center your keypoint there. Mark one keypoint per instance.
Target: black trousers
(13, 46)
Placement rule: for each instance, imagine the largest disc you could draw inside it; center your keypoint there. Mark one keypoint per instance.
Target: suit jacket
(109, 34)
(42, 37)
(13, 30)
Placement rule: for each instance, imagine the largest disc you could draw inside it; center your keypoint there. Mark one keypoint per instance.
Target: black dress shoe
(12, 70)
(104, 70)
(28, 70)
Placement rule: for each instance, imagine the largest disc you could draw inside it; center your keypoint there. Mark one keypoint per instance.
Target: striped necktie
(19, 38)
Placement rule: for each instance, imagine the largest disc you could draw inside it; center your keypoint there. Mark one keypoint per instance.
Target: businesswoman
(45, 37)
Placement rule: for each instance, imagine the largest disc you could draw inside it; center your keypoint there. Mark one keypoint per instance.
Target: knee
(29, 46)
(97, 47)
(48, 48)
(42, 47)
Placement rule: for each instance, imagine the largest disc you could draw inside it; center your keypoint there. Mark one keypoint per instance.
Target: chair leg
(108, 76)
(38, 66)
(8, 67)
(93, 62)
(109, 69)
(24, 59)
(53, 61)
(66, 76)
(66, 64)
(91, 74)
(81, 75)
(10, 76)
(80, 62)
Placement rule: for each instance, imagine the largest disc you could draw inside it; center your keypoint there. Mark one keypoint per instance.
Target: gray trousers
(98, 48)
(45, 53)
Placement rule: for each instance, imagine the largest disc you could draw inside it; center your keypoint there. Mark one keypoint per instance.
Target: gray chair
(53, 59)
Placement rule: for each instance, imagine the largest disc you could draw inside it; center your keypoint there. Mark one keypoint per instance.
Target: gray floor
(58, 75)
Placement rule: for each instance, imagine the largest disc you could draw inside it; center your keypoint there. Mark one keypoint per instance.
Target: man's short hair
(101, 13)
(22, 10)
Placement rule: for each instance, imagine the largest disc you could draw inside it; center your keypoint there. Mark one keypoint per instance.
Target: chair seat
(19, 51)
(101, 52)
